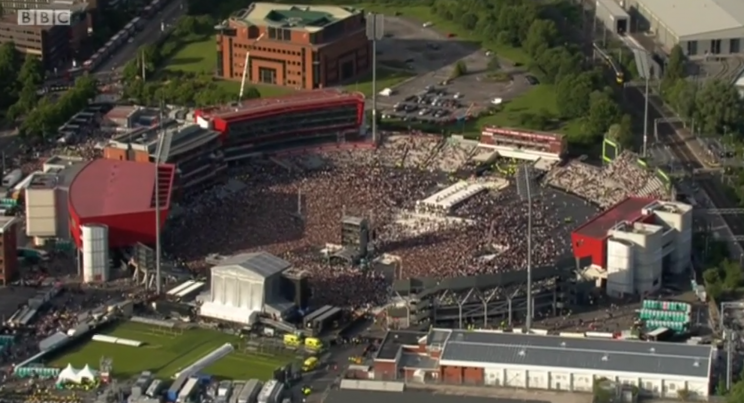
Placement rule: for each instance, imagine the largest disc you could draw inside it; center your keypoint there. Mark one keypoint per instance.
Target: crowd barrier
(117, 340)
(37, 372)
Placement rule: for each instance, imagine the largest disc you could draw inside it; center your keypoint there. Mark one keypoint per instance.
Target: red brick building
(305, 47)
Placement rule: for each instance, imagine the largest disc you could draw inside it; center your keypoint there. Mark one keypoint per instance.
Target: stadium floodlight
(162, 150)
(375, 30)
(527, 190)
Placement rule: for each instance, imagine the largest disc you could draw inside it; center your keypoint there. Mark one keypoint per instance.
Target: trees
(47, 115)
(572, 95)
(718, 108)
(30, 78)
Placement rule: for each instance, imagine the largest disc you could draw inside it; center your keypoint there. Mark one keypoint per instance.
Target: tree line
(176, 87)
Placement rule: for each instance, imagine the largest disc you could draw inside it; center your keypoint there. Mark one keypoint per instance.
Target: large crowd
(609, 184)
(383, 186)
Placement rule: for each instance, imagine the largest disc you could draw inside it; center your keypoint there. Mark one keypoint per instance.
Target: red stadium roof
(258, 105)
(627, 210)
(107, 187)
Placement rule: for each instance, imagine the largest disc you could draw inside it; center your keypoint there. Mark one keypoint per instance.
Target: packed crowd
(379, 185)
(609, 184)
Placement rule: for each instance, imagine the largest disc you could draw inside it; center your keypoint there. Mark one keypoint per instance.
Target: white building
(245, 285)
(700, 27)
(659, 370)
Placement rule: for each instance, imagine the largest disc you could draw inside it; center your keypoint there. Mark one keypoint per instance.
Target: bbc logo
(44, 17)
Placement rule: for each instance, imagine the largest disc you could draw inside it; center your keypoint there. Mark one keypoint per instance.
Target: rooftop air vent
(563, 344)
(522, 353)
(605, 357)
(696, 363)
(652, 350)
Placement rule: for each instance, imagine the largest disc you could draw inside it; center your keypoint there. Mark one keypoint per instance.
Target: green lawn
(166, 354)
(386, 78)
(196, 55)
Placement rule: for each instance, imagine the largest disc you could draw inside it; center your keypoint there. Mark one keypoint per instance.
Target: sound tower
(144, 257)
(355, 232)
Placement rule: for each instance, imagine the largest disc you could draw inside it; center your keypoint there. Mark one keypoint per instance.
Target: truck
(250, 391)
(12, 178)
(271, 392)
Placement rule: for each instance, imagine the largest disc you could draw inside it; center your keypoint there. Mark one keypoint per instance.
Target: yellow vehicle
(313, 343)
(292, 340)
(310, 364)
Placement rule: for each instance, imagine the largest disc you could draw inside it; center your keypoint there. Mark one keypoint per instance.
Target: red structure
(589, 240)
(121, 195)
(300, 119)
(553, 143)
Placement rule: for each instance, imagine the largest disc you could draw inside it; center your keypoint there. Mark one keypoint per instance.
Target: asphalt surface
(148, 35)
(432, 56)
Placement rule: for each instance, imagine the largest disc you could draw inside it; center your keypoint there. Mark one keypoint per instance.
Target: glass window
(692, 48)
(286, 35)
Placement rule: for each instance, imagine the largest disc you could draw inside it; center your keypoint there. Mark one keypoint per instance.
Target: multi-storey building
(195, 151)
(306, 47)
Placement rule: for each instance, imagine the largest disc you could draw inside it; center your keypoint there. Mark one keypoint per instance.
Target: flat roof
(629, 209)
(121, 112)
(687, 18)
(107, 187)
(258, 105)
(488, 347)
(613, 8)
(410, 396)
(182, 137)
(394, 340)
(43, 181)
(262, 264)
(308, 18)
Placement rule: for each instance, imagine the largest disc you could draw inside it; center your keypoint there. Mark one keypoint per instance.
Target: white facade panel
(41, 213)
(95, 253)
(619, 268)
(647, 256)
(493, 376)
(538, 379)
(560, 381)
(515, 378)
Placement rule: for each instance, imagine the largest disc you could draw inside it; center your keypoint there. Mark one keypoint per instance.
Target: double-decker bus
(298, 120)
(532, 142)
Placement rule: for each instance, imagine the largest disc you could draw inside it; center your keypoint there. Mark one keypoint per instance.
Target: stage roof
(627, 210)
(107, 187)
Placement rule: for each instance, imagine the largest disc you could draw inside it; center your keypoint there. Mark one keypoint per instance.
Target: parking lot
(433, 95)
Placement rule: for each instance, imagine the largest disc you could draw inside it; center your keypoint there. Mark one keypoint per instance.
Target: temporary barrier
(105, 339)
(116, 340)
(37, 372)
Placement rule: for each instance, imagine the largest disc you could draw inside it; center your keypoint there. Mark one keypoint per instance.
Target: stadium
(270, 124)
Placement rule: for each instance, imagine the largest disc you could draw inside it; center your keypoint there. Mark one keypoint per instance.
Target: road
(146, 36)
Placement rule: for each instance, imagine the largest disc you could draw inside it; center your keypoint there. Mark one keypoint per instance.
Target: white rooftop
(694, 17)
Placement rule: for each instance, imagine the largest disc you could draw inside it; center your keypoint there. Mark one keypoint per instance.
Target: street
(148, 35)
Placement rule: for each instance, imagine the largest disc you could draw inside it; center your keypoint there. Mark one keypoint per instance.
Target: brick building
(8, 249)
(305, 47)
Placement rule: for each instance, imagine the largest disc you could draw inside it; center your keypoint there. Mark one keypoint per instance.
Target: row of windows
(266, 49)
(280, 34)
(715, 47)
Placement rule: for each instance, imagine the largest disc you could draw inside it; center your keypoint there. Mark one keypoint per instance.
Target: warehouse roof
(395, 340)
(107, 187)
(262, 264)
(688, 18)
(629, 209)
(485, 347)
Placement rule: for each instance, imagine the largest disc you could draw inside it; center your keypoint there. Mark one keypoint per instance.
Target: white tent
(86, 373)
(72, 375)
(69, 374)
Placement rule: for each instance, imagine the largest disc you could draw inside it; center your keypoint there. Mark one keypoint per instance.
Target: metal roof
(484, 347)
(688, 18)
(309, 18)
(111, 187)
(261, 264)
(629, 209)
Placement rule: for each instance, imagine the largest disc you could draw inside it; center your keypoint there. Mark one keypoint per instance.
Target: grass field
(165, 354)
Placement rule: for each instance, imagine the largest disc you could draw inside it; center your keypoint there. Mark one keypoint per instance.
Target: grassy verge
(386, 78)
(165, 354)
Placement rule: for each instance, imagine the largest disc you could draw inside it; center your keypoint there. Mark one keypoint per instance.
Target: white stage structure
(207, 360)
(72, 375)
(242, 285)
(443, 201)
(95, 253)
